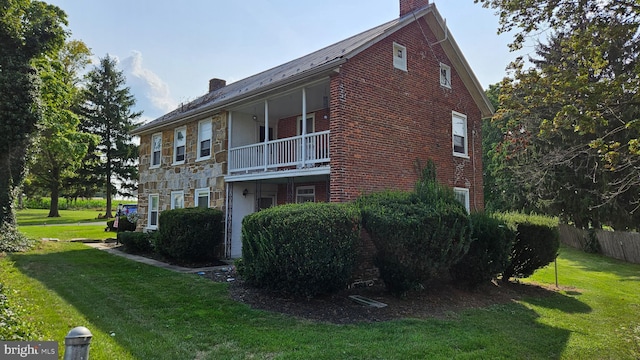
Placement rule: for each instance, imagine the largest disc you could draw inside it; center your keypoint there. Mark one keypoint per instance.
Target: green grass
(72, 224)
(136, 311)
(39, 217)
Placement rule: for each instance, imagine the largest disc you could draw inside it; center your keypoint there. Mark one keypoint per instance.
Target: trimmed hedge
(300, 249)
(488, 255)
(417, 235)
(537, 243)
(135, 242)
(191, 234)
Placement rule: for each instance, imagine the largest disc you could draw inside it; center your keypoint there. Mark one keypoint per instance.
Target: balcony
(291, 153)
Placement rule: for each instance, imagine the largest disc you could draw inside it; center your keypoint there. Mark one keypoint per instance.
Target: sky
(168, 49)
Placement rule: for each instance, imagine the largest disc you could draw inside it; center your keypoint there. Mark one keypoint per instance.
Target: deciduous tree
(28, 30)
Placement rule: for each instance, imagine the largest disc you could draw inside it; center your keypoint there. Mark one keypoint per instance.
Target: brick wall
(187, 177)
(384, 119)
(320, 189)
(288, 127)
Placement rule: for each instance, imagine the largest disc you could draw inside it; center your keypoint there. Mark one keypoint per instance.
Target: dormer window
(445, 75)
(399, 57)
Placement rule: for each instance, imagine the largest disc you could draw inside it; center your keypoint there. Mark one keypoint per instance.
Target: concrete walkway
(112, 248)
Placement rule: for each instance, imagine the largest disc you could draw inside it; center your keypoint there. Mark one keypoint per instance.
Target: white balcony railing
(281, 153)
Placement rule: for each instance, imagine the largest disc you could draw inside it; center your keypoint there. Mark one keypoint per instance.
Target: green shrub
(300, 249)
(191, 234)
(123, 224)
(417, 235)
(12, 240)
(135, 242)
(537, 243)
(488, 255)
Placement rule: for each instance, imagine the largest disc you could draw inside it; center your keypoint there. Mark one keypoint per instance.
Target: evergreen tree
(107, 112)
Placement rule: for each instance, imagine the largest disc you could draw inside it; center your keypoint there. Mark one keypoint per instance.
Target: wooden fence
(616, 244)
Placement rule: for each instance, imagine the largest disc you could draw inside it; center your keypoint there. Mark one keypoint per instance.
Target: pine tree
(107, 112)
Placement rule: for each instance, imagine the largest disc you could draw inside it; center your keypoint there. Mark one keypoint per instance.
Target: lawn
(136, 311)
(71, 224)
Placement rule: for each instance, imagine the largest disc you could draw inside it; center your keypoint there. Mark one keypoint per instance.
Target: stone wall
(193, 174)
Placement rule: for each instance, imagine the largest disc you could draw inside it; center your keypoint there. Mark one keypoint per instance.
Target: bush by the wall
(191, 234)
(135, 242)
(417, 235)
(488, 255)
(537, 243)
(300, 249)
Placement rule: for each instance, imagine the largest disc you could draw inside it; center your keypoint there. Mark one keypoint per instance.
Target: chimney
(408, 6)
(215, 84)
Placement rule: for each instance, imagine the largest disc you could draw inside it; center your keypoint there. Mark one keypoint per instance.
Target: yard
(136, 311)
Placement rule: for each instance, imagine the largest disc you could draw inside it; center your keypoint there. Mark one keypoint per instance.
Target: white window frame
(459, 131)
(179, 143)
(299, 194)
(204, 135)
(462, 195)
(175, 203)
(445, 75)
(311, 117)
(198, 193)
(152, 164)
(151, 211)
(399, 57)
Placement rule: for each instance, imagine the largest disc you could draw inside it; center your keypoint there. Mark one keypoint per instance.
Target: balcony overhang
(280, 174)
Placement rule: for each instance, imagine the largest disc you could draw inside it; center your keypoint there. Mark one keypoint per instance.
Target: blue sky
(170, 49)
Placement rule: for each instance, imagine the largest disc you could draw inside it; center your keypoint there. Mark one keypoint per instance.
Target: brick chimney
(215, 84)
(407, 6)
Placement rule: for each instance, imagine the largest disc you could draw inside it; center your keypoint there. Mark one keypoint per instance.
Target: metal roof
(328, 57)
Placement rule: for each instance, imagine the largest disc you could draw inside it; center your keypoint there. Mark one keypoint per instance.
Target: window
(445, 75)
(459, 130)
(305, 194)
(399, 57)
(310, 124)
(202, 198)
(156, 149)
(462, 195)
(154, 206)
(262, 133)
(179, 145)
(204, 140)
(177, 199)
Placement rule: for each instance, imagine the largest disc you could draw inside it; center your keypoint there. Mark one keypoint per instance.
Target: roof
(314, 63)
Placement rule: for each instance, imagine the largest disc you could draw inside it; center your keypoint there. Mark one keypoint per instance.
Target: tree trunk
(6, 190)
(108, 186)
(55, 196)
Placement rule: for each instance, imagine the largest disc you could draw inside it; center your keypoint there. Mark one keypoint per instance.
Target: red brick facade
(384, 119)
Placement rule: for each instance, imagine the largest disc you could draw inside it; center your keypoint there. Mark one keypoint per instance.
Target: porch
(280, 135)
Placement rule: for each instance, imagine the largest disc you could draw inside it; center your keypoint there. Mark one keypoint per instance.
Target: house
(351, 118)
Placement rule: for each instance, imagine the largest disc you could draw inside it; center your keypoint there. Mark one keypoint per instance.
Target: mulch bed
(437, 301)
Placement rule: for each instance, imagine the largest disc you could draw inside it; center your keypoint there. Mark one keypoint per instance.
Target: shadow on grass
(158, 314)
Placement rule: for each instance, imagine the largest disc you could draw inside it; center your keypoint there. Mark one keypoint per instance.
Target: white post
(266, 132)
(303, 139)
(229, 142)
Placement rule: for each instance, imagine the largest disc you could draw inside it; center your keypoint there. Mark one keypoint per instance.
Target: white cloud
(152, 93)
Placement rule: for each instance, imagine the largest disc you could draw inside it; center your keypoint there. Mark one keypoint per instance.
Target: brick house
(349, 119)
